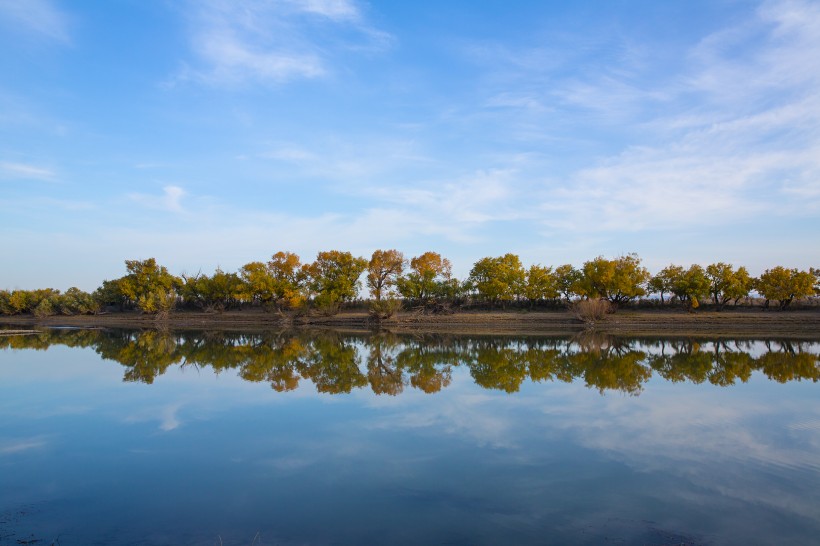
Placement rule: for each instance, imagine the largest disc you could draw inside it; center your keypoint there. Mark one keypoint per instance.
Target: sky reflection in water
(442, 439)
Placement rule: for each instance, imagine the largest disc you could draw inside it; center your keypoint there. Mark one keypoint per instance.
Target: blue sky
(215, 133)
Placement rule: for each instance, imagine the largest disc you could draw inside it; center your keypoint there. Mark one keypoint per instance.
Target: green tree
(334, 278)
(498, 279)
(20, 301)
(5, 306)
(618, 281)
(541, 284)
(664, 280)
(691, 286)
(727, 284)
(430, 278)
(785, 285)
(45, 308)
(215, 293)
(278, 284)
(110, 294)
(567, 279)
(741, 284)
(77, 302)
(258, 284)
(150, 286)
(27, 301)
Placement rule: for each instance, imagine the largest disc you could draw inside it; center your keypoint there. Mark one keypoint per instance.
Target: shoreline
(734, 322)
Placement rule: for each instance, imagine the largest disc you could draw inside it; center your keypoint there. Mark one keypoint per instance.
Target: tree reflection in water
(388, 363)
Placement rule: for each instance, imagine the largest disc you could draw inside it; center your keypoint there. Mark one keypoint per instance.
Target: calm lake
(122, 437)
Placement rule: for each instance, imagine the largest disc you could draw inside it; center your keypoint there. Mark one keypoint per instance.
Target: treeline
(388, 364)
(424, 282)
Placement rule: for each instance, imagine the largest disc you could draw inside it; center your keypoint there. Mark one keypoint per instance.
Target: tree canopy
(429, 278)
(383, 272)
(619, 280)
(334, 279)
(498, 279)
(785, 285)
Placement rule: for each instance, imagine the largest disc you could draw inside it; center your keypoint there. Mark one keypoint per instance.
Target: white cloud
(170, 200)
(672, 138)
(234, 60)
(648, 434)
(270, 41)
(481, 197)
(398, 196)
(339, 10)
(20, 446)
(13, 171)
(170, 417)
(291, 154)
(37, 16)
(741, 138)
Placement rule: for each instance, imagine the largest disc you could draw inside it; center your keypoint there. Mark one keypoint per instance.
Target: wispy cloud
(483, 196)
(40, 17)
(338, 10)
(740, 135)
(170, 417)
(272, 41)
(170, 200)
(14, 171)
(23, 445)
(290, 154)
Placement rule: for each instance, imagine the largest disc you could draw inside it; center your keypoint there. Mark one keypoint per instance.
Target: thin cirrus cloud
(36, 17)
(23, 445)
(712, 135)
(272, 41)
(740, 137)
(24, 171)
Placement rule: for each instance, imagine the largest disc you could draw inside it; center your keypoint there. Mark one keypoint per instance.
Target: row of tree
(425, 281)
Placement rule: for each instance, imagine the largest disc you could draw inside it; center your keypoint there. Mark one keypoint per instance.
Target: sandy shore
(745, 322)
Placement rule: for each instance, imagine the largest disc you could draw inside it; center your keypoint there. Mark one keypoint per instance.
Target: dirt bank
(743, 322)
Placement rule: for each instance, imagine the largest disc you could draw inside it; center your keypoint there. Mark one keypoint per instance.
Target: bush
(326, 304)
(384, 309)
(592, 310)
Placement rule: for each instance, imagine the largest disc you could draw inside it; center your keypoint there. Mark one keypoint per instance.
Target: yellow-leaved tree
(383, 273)
(619, 280)
(785, 285)
(726, 283)
(334, 279)
(278, 284)
(429, 279)
(149, 286)
(498, 279)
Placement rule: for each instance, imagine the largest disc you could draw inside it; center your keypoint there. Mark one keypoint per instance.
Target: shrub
(384, 309)
(326, 304)
(591, 310)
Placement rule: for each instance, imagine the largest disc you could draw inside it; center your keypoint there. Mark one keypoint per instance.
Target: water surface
(152, 437)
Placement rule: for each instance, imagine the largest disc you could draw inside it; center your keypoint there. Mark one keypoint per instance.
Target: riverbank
(795, 323)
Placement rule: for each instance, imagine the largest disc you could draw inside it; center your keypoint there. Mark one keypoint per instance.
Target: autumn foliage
(285, 284)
